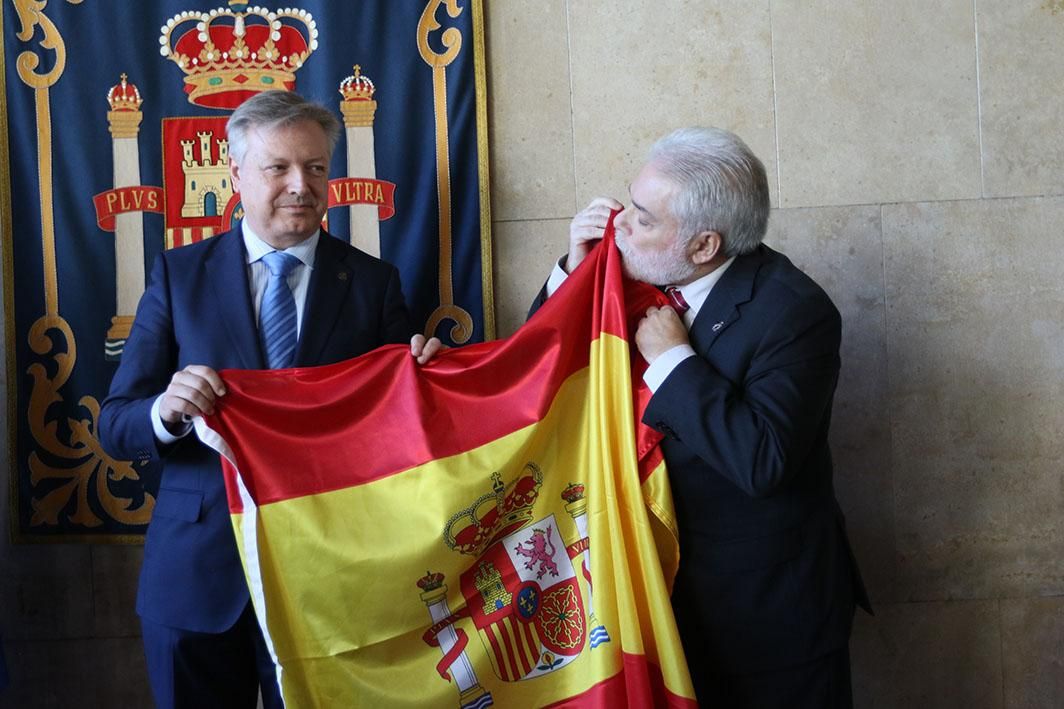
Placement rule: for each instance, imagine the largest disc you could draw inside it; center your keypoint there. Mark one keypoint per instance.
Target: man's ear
(705, 247)
(234, 175)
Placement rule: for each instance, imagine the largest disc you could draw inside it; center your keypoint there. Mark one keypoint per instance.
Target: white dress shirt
(695, 293)
(258, 277)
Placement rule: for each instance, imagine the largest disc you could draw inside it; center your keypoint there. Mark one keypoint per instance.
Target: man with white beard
(743, 369)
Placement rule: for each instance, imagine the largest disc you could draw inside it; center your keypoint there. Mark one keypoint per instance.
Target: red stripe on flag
(513, 651)
(377, 410)
(532, 642)
(638, 684)
(649, 458)
(500, 659)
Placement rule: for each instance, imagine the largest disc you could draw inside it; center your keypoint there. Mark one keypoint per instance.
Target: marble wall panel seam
(977, 597)
(979, 99)
(889, 404)
(775, 103)
(920, 202)
(572, 101)
(531, 220)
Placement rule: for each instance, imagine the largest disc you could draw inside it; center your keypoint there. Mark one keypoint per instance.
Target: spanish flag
(494, 528)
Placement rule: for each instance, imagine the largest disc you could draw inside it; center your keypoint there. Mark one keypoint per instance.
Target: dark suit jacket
(766, 577)
(197, 310)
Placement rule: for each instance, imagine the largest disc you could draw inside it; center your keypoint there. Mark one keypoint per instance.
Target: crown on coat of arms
(231, 53)
(430, 581)
(357, 87)
(573, 493)
(505, 509)
(124, 96)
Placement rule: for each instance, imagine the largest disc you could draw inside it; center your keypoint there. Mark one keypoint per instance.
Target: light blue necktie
(277, 316)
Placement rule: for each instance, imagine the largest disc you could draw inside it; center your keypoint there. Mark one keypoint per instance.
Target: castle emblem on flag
(523, 593)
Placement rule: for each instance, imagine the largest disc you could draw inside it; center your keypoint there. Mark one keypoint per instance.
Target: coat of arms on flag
(116, 150)
(522, 592)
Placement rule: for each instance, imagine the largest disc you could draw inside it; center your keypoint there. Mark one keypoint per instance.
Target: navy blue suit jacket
(197, 310)
(766, 577)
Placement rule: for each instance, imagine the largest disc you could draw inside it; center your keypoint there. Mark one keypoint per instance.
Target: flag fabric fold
(494, 528)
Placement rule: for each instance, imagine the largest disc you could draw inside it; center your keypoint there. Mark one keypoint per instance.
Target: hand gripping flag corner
(492, 529)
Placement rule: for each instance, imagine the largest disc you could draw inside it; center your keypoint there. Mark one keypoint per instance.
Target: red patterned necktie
(676, 299)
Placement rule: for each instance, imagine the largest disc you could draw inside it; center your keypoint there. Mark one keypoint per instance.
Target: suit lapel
(721, 308)
(228, 276)
(329, 283)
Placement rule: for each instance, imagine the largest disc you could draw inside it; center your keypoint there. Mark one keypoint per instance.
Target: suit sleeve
(758, 431)
(148, 361)
(553, 283)
(541, 298)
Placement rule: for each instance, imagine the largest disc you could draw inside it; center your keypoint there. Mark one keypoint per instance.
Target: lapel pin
(342, 275)
(718, 326)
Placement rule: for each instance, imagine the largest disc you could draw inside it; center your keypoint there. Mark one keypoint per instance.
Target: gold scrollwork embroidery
(70, 454)
(82, 458)
(31, 14)
(452, 42)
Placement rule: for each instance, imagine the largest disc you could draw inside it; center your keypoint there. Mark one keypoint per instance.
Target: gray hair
(722, 186)
(272, 109)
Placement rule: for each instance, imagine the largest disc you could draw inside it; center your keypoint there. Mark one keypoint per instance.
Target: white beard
(660, 268)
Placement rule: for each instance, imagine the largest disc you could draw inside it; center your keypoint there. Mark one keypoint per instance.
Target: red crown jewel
(494, 515)
(229, 54)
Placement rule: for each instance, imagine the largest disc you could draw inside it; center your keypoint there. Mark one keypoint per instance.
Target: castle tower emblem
(207, 182)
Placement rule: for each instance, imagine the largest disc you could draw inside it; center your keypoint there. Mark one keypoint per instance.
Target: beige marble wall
(916, 155)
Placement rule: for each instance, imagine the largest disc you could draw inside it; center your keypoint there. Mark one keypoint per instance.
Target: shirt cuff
(662, 367)
(557, 277)
(157, 425)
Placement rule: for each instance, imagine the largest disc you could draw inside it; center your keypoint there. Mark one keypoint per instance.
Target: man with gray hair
(743, 369)
(275, 292)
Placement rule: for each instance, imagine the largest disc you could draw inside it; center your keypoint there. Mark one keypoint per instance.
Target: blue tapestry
(114, 149)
